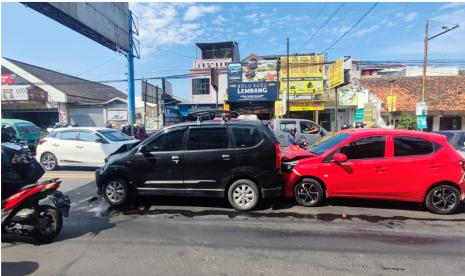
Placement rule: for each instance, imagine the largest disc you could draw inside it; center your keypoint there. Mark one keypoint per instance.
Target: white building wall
(436, 122)
(432, 71)
(211, 98)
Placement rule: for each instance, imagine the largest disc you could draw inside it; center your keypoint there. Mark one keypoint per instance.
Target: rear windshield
(327, 142)
(25, 128)
(114, 135)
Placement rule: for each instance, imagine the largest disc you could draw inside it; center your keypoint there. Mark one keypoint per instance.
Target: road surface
(185, 236)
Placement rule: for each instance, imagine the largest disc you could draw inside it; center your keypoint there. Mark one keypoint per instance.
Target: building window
(200, 86)
(450, 123)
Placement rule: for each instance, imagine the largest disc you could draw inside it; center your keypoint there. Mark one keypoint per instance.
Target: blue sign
(234, 73)
(253, 91)
(172, 115)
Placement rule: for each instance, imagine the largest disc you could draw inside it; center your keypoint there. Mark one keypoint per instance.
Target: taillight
(278, 156)
(42, 140)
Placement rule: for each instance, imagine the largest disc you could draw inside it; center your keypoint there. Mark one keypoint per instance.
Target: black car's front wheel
(443, 199)
(115, 191)
(243, 195)
(308, 192)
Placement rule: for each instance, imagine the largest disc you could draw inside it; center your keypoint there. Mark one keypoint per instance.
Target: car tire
(116, 191)
(243, 195)
(443, 199)
(49, 161)
(309, 192)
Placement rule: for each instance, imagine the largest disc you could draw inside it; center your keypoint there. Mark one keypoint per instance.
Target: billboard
(104, 22)
(151, 93)
(336, 73)
(306, 106)
(117, 115)
(306, 74)
(255, 80)
(23, 93)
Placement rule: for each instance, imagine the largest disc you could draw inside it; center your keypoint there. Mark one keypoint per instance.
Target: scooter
(23, 214)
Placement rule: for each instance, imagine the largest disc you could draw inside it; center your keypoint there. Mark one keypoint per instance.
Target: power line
(351, 28)
(326, 21)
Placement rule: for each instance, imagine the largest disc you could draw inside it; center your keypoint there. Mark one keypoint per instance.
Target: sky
(168, 33)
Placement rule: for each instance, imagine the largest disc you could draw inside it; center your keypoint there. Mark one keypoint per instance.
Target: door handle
(79, 147)
(434, 166)
(175, 159)
(55, 144)
(225, 157)
(380, 169)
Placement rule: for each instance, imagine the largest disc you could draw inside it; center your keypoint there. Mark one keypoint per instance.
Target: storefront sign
(234, 73)
(336, 73)
(358, 116)
(8, 79)
(278, 108)
(306, 106)
(392, 103)
(117, 115)
(253, 91)
(421, 122)
(15, 93)
(347, 97)
(171, 115)
(306, 74)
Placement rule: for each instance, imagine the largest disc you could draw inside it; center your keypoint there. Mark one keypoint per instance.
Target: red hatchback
(378, 164)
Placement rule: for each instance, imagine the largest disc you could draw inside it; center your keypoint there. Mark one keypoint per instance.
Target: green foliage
(407, 122)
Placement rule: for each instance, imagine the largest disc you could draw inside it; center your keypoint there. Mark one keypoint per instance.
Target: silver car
(307, 129)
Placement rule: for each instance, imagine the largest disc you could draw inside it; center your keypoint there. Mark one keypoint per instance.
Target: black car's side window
(246, 136)
(170, 141)
(404, 146)
(370, 147)
(208, 138)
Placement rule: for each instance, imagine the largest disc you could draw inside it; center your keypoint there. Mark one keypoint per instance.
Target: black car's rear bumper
(98, 181)
(271, 184)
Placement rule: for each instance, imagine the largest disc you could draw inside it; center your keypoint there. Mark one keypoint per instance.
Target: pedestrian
(135, 129)
(108, 125)
(141, 134)
(292, 137)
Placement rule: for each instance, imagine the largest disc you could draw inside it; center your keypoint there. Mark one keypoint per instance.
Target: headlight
(288, 166)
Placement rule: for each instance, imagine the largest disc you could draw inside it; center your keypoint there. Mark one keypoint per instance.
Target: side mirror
(144, 148)
(99, 140)
(340, 157)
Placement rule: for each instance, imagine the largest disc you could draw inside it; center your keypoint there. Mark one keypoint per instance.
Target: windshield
(25, 128)
(325, 143)
(114, 135)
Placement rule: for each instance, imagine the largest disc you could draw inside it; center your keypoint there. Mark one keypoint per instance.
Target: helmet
(359, 125)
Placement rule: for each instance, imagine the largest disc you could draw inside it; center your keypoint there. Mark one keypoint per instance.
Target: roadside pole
(335, 111)
(131, 93)
(163, 99)
(145, 101)
(288, 104)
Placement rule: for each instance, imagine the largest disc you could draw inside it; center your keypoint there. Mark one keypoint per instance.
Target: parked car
(79, 146)
(234, 159)
(304, 129)
(456, 138)
(25, 130)
(378, 164)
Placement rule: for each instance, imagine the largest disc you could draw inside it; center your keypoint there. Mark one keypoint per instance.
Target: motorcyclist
(346, 126)
(292, 138)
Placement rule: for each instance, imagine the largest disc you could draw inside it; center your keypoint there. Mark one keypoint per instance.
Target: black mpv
(235, 159)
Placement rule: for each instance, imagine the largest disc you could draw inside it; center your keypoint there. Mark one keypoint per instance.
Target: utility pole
(425, 61)
(145, 101)
(336, 110)
(288, 113)
(163, 100)
(131, 93)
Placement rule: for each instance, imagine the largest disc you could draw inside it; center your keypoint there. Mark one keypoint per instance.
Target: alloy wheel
(308, 193)
(243, 195)
(48, 161)
(115, 192)
(444, 199)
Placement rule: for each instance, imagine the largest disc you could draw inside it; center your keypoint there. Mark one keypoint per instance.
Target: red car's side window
(365, 148)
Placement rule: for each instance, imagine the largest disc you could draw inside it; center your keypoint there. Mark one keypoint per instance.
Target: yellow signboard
(278, 108)
(306, 106)
(306, 74)
(392, 103)
(336, 73)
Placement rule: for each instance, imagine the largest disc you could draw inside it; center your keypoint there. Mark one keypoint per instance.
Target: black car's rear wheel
(443, 199)
(243, 195)
(308, 192)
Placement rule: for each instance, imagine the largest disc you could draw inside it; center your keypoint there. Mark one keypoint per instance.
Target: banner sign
(117, 115)
(421, 109)
(15, 93)
(253, 91)
(392, 103)
(306, 74)
(369, 114)
(278, 108)
(306, 106)
(421, 122)
(8, 79)
(358, 116)
(336, 73)
(234, 73)
(172, 115)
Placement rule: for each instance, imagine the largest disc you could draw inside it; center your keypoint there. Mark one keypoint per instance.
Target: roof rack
(211, 114)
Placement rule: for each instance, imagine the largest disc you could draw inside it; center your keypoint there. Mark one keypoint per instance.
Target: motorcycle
(23, 214)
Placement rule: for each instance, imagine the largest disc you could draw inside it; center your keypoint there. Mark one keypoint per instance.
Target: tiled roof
(77, 90)
(441, 93)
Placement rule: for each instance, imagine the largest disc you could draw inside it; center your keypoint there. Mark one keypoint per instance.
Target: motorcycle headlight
(288, 166)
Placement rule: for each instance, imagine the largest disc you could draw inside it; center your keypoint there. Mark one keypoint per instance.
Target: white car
(80, 146)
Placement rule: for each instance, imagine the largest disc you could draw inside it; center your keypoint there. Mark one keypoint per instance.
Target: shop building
(45, 97)
(444, 97)
(209, 80)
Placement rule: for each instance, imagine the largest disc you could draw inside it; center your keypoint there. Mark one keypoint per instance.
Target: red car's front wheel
(443, 199)
(308, 192)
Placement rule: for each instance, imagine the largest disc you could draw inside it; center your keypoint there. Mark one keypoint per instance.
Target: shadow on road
(19, 268)
(76, 169)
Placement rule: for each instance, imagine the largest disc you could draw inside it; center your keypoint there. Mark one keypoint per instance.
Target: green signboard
(421, 122)
(358, 116)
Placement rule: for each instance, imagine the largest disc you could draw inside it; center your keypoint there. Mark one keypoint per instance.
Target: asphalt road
(185, 236)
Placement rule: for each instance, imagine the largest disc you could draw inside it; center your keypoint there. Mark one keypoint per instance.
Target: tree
(407, 122)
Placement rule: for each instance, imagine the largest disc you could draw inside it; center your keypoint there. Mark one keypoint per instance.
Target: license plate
(62, 203)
